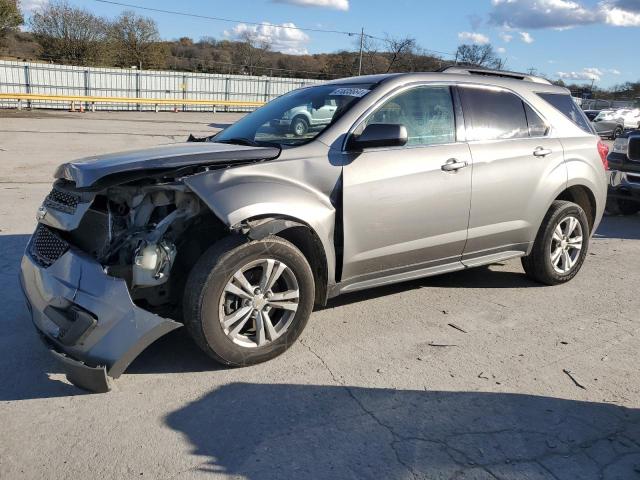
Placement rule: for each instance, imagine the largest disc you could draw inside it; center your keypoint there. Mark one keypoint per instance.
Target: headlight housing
(621, 145)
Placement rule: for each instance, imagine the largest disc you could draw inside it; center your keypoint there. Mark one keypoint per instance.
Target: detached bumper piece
(85, 317)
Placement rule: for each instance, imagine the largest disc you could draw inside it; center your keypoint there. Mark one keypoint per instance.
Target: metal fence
(50, 79)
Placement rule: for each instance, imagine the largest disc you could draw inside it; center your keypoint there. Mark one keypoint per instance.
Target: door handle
(542, 152)
(453, 165)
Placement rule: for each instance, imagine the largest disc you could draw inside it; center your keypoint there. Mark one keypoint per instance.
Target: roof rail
(494, 73)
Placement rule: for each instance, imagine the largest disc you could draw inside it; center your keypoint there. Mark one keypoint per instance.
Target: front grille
(46, 246)
(63, 201)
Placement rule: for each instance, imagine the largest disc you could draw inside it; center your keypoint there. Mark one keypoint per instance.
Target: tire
(617, 132)
(206, 303)
(299, 126)
(627, 207)
(539, 265)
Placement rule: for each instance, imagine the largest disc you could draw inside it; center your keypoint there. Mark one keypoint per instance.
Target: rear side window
(566, 106)
(493, 114)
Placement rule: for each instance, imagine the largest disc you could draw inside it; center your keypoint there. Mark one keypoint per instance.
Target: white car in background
(631, 118)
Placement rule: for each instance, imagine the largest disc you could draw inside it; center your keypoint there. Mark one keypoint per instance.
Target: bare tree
(10, 17)
(479, 56)
(69, 34)
(400, 53)
(136, 42)
(251, 51)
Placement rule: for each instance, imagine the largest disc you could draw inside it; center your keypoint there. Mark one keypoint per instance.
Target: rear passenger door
(517, 166)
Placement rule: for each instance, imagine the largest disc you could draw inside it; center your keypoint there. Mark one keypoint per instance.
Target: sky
(579, 41)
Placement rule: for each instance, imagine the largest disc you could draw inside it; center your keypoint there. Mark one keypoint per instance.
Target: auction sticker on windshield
(349, 92)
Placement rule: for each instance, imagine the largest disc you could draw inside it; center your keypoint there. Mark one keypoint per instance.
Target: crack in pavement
(564, 449)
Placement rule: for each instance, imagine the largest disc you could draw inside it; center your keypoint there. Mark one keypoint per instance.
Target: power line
(231, 20)
(221, 19)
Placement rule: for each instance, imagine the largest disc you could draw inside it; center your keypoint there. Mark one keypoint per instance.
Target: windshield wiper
(248, 142)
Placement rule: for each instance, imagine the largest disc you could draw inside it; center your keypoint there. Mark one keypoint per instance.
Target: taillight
(603, 150)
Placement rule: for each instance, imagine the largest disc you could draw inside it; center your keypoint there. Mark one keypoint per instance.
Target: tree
(479, 56)
(135, 41)
(69, 34)
(251, 51)
(10, 17)
(400, 53)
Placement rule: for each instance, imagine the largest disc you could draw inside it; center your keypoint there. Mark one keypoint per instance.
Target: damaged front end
(104, 272)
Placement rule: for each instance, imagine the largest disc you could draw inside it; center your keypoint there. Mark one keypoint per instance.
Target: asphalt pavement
(480, 374)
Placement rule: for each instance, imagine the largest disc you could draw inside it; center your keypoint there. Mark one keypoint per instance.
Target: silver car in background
(237, 238)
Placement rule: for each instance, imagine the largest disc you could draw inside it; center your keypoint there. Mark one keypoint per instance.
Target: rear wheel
(246, 303)
(561, 245)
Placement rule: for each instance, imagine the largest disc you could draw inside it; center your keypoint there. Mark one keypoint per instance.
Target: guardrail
(91, 101)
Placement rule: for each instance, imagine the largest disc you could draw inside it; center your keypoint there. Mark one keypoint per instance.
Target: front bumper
(87, 318)
(624, 185)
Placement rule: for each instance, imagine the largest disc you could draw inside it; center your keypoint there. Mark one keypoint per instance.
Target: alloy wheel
(259, 303)
(566, 244)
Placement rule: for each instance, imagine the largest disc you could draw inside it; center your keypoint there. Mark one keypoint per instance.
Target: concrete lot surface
(461, 376)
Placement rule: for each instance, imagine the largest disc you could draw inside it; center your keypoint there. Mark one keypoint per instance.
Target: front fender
(235, 196)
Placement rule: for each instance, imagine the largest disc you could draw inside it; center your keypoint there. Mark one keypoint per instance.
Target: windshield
(296, 117)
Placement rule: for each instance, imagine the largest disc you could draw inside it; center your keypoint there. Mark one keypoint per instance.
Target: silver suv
(237, 238)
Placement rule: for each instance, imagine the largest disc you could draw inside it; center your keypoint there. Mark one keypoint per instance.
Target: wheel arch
(583, 196)
(261, 206)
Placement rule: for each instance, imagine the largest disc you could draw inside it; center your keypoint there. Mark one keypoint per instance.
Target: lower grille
(63, 201)
(46, 246)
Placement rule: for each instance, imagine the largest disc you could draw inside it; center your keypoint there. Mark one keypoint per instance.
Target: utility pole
(361, 48)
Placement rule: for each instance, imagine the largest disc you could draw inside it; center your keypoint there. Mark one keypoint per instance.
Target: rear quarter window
(566, 106)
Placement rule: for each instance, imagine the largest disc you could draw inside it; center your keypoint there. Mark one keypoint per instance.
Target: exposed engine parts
(133, 230)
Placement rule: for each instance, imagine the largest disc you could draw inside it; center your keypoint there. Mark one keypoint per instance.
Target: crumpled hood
(87, 171)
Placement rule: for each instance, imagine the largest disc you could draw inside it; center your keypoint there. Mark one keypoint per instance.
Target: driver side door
(404, 211)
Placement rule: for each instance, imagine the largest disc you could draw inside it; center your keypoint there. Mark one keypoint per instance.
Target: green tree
(69, 34)
(135, 41)
(10, 17)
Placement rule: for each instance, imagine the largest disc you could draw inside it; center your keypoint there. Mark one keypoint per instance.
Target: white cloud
(501, 50)
(506, 37)
(477, 38)
(335, 4)
(591, 73)
(614, 71)
(621, 13)
(281, 38)
(563, 14)
(540, 14)
(526, 37)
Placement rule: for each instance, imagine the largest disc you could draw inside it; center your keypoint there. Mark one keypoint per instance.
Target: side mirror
(633, 150)
(380, 135)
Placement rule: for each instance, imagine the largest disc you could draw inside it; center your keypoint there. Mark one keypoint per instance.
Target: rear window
(493, 114)
(566, 106)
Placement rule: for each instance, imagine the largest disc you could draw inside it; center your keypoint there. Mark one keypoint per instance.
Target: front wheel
(560, 246)
(247, 302)
(617, 132)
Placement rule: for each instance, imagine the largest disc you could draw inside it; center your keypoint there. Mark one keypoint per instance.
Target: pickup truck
(624, 175)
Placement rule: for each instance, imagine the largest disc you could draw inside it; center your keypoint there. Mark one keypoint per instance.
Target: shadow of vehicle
(625, 227)
(297, 431)
(219, 125)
